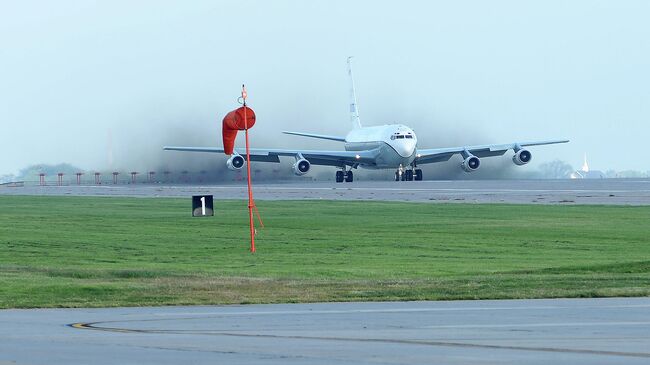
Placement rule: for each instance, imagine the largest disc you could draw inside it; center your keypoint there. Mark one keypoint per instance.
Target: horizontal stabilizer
(320, 136)
(193, 149)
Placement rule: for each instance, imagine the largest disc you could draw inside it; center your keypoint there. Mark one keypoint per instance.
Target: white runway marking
(460, 190)
(387, 310)
(531, 325)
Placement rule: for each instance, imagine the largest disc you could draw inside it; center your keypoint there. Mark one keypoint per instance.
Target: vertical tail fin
(354, 111)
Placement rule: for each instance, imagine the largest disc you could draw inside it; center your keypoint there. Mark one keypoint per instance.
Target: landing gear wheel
(339, 176)
(418, 175)
(409, 175)
(349, 177)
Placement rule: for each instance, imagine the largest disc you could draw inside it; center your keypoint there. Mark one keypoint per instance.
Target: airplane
(392, 146)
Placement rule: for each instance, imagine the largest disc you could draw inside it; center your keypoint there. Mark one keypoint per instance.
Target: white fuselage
(396, 145)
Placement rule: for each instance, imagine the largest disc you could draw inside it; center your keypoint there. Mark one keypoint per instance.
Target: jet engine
(301, 167)
(522, 157)
(235, 162)
(471, 163)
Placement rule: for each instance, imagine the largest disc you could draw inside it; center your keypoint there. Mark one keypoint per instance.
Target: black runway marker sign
(202, 206)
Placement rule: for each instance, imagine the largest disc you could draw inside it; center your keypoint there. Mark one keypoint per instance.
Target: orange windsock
(233, 122)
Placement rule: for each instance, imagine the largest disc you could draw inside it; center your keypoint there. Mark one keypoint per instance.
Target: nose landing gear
(399, 174)
(408, 174)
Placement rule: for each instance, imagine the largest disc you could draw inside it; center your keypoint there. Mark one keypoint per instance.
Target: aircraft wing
(313, 135)
(315, 157)
(444, 154)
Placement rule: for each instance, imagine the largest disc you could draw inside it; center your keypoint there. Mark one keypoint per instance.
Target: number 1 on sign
(202, 205)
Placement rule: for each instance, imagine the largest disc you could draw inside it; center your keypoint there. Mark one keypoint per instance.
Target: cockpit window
(409, 136)
(400, 136)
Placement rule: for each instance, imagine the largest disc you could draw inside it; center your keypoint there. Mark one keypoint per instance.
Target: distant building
(586, 173)
(7, 178)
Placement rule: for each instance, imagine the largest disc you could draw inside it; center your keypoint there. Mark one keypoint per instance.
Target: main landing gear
(344, 175)
(408, 174)
(418, 174)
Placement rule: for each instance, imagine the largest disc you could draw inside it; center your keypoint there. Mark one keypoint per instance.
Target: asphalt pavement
(567, 192)
(546, 331)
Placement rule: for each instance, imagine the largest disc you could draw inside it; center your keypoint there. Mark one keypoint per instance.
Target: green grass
(83, 251)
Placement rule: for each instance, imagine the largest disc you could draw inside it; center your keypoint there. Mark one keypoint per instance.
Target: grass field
(85, 251)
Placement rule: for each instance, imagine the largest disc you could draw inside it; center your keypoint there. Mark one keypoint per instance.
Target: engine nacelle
(301, 167)
(235, 162)
(522, 157)
(471, 163)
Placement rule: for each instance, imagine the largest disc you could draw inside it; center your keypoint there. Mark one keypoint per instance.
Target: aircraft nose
(405, 148)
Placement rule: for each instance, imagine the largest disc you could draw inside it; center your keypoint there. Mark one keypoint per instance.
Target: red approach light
(233, 122)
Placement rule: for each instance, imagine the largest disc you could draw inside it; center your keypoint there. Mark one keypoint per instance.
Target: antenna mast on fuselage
(354, 111)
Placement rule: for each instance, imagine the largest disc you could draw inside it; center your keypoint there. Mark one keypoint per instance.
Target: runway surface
(603, 191)
(567, 331)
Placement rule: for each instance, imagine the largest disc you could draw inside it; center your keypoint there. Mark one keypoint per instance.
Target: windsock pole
(251, 202)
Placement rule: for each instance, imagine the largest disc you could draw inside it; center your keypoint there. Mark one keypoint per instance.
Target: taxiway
(547, 331)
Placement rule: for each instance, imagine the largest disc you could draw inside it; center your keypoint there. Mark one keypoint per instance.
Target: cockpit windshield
(401, 136)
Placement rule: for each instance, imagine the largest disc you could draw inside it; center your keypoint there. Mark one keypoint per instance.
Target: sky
(104, 84)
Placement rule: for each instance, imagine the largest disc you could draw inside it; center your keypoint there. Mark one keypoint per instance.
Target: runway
(571, 331)
(602, 191)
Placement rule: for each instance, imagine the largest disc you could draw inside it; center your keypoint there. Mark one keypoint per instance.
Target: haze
(149, 73)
